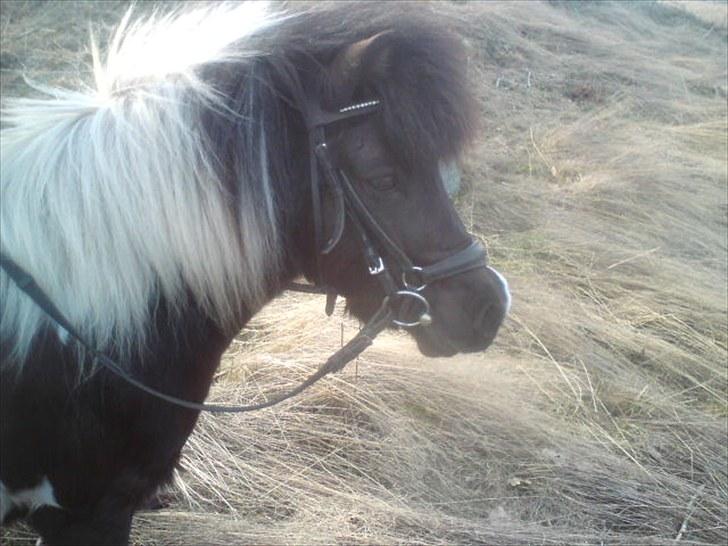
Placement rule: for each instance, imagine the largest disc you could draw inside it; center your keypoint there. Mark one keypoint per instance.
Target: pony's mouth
(431, 340)
(443, 338)
(432, 344)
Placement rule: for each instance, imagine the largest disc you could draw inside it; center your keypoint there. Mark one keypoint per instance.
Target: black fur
(104, 445)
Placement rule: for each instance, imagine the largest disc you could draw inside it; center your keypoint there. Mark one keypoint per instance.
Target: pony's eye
(383, 182)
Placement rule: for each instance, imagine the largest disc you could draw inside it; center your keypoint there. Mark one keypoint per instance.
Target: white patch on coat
(31, 498)
(504, 284)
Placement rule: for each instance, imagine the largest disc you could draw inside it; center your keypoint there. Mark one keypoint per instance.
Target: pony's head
(392, 158)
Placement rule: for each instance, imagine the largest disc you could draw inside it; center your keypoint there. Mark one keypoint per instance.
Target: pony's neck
(266, 151)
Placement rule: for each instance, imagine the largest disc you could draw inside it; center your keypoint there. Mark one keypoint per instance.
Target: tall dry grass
(599, 415)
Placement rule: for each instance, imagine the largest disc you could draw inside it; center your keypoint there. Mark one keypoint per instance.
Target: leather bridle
(399, 305)
(403, 292)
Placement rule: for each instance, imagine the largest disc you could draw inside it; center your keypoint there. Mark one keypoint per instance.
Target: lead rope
(334, 363)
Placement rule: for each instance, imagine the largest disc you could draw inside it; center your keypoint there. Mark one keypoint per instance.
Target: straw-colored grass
(599, 415)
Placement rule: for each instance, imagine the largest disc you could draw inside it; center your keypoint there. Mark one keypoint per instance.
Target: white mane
(111, 196)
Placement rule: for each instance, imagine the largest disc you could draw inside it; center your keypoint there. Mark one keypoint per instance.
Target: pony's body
(100, 445)
(162, 211)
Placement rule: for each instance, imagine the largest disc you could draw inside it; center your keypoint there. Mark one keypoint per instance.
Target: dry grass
(714, 13)
(599, 416)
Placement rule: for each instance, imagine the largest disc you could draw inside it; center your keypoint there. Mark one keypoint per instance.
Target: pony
(161, 209)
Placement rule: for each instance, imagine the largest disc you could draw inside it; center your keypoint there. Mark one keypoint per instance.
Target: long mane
(121, 196)
(113, 197)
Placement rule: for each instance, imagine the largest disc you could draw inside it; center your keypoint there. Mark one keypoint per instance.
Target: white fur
(110, 196)
(31, 498)
(506, 289)
(63, 334)
(171, 45)
(450, 175)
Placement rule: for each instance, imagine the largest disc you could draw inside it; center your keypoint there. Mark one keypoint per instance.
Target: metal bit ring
(407, 285)
(424, 317)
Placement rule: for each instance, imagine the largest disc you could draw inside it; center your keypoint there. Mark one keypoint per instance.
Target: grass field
(599, 416)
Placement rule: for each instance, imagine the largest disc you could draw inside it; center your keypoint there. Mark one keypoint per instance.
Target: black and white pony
(161, 210)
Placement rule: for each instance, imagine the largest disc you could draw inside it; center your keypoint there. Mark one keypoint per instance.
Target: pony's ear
(357, 64)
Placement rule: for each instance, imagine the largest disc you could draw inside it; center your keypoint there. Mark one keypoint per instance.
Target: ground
(599, 181)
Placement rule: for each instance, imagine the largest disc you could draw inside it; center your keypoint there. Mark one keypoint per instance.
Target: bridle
(399, 305)
(403, 292)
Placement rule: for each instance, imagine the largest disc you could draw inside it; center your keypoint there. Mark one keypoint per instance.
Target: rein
(336, 362)
(379, 321)
(397, 307)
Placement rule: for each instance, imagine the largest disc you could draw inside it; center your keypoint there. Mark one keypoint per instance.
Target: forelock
(428, 109)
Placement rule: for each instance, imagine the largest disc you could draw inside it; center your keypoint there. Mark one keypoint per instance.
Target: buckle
(377, 268)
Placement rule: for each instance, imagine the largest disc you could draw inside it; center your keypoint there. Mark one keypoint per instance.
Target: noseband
(403, 300)
(404, 292)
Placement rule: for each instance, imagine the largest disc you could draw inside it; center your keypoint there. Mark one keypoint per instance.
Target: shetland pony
(162, 209)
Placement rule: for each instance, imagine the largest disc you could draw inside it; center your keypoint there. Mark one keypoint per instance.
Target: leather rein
(403, 305)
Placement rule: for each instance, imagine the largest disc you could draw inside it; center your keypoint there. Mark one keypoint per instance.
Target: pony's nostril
(488, 318)
(480, 324)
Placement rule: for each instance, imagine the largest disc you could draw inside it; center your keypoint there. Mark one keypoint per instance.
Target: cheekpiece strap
(316, 120)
